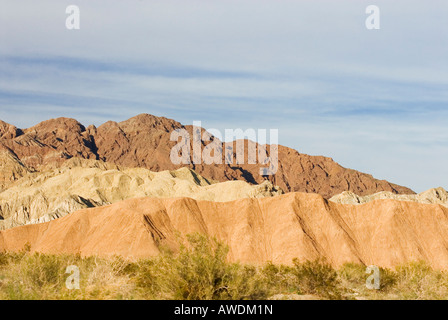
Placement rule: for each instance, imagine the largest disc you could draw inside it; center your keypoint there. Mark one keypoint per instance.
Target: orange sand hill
(144, 141)
(383, 232)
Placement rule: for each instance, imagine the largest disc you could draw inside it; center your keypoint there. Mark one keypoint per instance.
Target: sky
(373, 100)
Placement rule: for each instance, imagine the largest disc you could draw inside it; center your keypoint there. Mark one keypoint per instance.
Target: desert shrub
(388, 279)
(148, 279)
(418, 281)
(39, 276)
(356, 275)
(246, 282)
(32, 276)
(318, 277)
(353, 277)
(279, 278)
(353, 272)
(200, 271)
(105, 279)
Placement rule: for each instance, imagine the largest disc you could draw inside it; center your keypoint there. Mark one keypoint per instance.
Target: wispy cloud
(374, 101)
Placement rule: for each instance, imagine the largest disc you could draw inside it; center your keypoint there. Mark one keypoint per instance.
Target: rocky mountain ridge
(144, 142)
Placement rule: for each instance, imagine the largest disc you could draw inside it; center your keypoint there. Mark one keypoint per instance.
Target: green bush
(418, 281)
(200, 271)
(319, 278)
(279, 278)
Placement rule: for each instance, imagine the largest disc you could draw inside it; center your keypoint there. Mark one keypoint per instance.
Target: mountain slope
(144, 141)
(385, 233)
(79, 183)
(11, 168)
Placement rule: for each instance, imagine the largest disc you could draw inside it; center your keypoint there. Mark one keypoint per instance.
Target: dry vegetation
(200, 271)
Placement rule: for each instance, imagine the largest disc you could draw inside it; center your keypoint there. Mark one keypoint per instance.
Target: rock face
(11, 168)
(79, 183)
(431, 196)
(385, 233)
(144, 142)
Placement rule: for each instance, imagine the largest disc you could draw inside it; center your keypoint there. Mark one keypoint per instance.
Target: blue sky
(373, 100)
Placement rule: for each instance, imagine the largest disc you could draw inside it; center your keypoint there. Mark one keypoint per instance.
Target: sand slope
(383, 232)
(78, 183)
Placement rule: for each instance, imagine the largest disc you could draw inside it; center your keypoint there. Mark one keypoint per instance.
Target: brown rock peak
(144, 121)
(8, 131)
(61, 123)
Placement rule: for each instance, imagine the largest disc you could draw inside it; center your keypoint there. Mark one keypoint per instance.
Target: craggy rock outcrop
(11, 168)
(144, 141)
